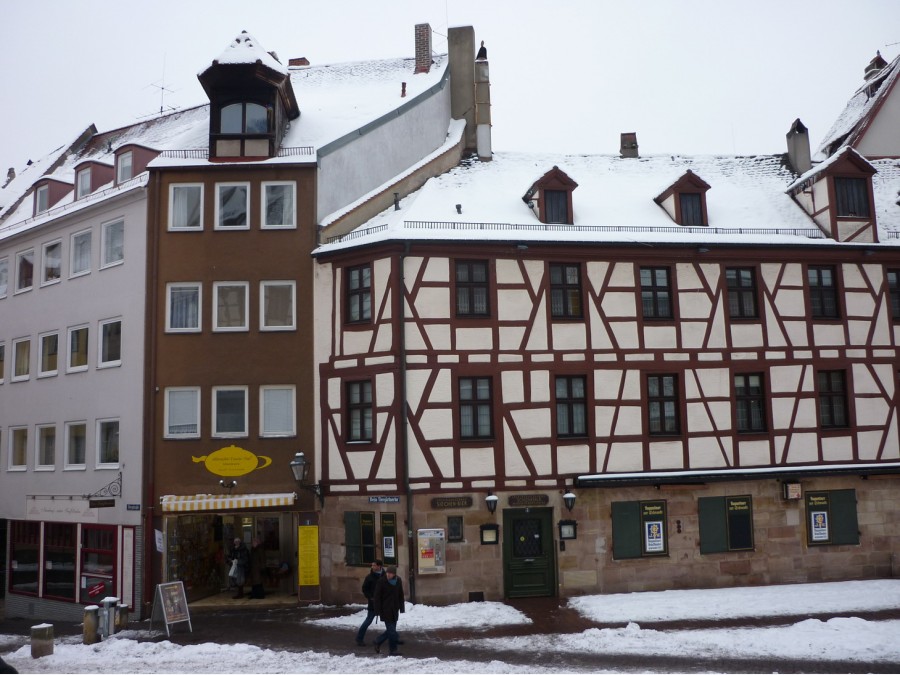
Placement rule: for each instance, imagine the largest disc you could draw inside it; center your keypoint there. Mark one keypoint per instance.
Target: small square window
(183, 307)
(113, 243)
(229, 410)
(110, 343)
(279, 210)
(232, 206)
(186, 207)
(277, 305)
(232, 306)
(80, 254)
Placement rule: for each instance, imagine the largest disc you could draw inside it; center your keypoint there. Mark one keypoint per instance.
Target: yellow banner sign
(233, 461)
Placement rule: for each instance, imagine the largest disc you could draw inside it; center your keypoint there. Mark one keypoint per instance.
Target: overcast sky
(689, 76)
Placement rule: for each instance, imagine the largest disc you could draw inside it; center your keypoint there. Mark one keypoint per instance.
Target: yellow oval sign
(233, 461)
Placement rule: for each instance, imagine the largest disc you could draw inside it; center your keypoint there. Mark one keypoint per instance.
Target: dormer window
(550, 197)
(83, 183)
(244, 118)
(124, 167)
(685, 200)
(852, 197)
(41, 199)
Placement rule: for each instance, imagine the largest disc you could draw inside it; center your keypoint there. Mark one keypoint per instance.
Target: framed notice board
(170, 605)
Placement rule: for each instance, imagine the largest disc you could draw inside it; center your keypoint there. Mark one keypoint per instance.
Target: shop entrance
(529, 560)
(198, 545)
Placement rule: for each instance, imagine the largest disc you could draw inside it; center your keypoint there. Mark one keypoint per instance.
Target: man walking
(368, 589)
(390, 603)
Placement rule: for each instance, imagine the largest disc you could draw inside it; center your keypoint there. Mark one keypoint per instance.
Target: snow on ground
(838, 639)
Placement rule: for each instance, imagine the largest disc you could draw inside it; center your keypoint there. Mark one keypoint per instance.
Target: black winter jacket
(368, 586)
(390, 602)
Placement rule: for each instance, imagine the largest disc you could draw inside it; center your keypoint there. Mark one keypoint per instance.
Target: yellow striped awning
(180, 503)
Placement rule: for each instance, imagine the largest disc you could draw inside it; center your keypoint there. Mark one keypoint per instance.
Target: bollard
(108, 616)
(91, 625)
(41, 640)
(121, 617)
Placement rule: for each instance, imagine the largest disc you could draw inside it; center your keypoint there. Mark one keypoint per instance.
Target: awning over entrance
(181, 503)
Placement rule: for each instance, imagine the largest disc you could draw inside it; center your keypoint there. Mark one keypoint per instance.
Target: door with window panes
(529, 561)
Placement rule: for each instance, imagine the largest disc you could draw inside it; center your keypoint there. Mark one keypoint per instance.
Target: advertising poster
(430, 548)
(819, 525)
(653, 536)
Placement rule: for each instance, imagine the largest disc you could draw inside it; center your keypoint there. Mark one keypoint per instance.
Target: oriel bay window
(359, 411)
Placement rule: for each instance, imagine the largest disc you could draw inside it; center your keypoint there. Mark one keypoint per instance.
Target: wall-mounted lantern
(569, 501)
(300, 469)
(491, 501)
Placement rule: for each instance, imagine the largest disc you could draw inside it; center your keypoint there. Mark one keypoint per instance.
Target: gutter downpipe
(404, 435)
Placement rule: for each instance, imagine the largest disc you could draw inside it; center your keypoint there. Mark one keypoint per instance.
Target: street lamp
(300, 469)
(491, 501)
(569, 501)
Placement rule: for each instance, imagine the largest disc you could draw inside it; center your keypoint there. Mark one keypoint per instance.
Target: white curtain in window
(182, 412)
(114, 242)
(186, 207)
(278, 411)
(81, 252)
(184, 307)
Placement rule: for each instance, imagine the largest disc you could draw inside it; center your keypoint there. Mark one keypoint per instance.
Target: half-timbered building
(576, 374)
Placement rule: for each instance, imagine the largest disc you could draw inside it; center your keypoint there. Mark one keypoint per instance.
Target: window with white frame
(41, 199)
(78, 349)
(232, 300)
(24, 270)
(113, 243)
(45, 452)
(232, 206)
(107, 442)
(52, 262)
(279, 205)
(277, 304)
(186, 206)
(183, 305)
(21, 359)
(4, 276)
(18, 448)
(80, 254)
(76, 444)
(277, 411)
(124, 167)
(110, 343)
(182, 412)
(49, 354)
(229, 411)
(2, 361)
(83, 183)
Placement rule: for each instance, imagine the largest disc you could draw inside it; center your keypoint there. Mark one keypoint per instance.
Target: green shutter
(352, 538)
(844, 525)
(713, 529)
(626, 522)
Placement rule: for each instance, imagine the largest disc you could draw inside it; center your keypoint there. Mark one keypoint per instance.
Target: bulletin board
(431, 549)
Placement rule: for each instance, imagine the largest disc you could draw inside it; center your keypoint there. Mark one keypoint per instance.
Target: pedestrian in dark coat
(257, 569)
(390, 603)
(241, 556)
(368, 589)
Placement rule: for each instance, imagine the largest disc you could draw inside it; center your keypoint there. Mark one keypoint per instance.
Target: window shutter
(844, 524)
(626, 519)
(713, 531)
(352, 537)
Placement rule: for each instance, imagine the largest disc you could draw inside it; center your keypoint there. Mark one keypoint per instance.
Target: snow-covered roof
(614, 202)
(855, 116)
(245, 49)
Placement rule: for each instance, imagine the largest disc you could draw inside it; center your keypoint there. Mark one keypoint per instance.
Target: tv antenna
(163, 90)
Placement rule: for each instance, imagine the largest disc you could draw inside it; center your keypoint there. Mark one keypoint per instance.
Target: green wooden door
(529, 560)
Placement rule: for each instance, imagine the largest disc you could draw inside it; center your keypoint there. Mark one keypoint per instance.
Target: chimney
(874, 67)
(423, 48)
(483, 107)
(628, 145)
(10, 175)
(461, 45)
(302, 61)
(798, 147)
